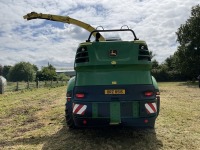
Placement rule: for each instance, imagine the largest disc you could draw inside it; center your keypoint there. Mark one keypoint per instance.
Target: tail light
(68, 97)
(146, 121)
(148, 93)
(158, 95)
(80, 95)
(84, 122)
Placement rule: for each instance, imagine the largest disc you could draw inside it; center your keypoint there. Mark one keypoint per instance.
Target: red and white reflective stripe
(151, 108)
(79, 109)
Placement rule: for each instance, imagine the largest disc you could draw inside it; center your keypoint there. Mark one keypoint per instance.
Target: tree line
(184, 64)
(25, 71)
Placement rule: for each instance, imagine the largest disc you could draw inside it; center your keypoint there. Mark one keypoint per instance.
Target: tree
(152, 55)
(170, 62)
(47, 73)
(6, 70)
(167, 71)
(155, 64)
(159, 71)
(23, 71)
(188, 53)
(35, 67)
(1, 70)
(62, 77)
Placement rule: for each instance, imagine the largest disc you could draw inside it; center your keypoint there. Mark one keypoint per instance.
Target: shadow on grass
(110, 138)
(189, 84)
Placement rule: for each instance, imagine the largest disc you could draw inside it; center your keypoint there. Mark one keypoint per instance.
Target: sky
(41, 41)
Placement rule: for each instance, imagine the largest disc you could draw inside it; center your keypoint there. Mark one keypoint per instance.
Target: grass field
(34, 119)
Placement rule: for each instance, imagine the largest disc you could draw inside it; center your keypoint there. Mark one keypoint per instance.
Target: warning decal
(79, 109)
(151, 108)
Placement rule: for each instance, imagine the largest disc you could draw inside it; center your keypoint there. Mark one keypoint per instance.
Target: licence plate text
(115, 91)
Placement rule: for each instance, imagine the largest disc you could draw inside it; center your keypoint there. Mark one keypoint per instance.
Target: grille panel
(82, 55)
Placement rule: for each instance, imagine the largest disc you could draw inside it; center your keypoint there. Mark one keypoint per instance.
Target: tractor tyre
(69, 119)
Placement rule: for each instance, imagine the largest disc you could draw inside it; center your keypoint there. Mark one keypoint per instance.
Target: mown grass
(34, 119)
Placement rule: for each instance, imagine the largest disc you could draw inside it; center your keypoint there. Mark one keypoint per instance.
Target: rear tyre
(152, 126)
(69, 119)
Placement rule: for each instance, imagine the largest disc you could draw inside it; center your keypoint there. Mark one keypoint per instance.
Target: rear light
(146, 121)
(148, 93)
(68, 99)
(84, 122)
(157, 93)
(80, 95)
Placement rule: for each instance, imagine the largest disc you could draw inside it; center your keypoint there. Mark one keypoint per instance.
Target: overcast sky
(41, 41)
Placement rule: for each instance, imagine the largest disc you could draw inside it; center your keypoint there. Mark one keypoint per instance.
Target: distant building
(69, 73)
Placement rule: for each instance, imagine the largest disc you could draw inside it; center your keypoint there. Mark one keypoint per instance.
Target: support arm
(64, 19)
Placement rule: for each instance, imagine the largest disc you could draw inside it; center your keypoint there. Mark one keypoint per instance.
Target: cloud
(40, 41)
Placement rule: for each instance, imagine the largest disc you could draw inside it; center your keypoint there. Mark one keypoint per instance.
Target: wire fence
(17, 86)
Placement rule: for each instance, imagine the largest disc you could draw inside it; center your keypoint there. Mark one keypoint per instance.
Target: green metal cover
(94, 110)
(71, 84)
(115, 116)
(115, 109)
(135, 105)
(103, 69)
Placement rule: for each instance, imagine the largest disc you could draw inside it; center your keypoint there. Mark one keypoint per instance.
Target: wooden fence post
(17, 87)
(37, 84)
(28, 85)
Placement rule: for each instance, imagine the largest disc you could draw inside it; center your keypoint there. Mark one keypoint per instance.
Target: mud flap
(115, 115)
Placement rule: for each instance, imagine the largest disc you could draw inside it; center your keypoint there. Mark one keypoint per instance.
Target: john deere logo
(113, 52)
